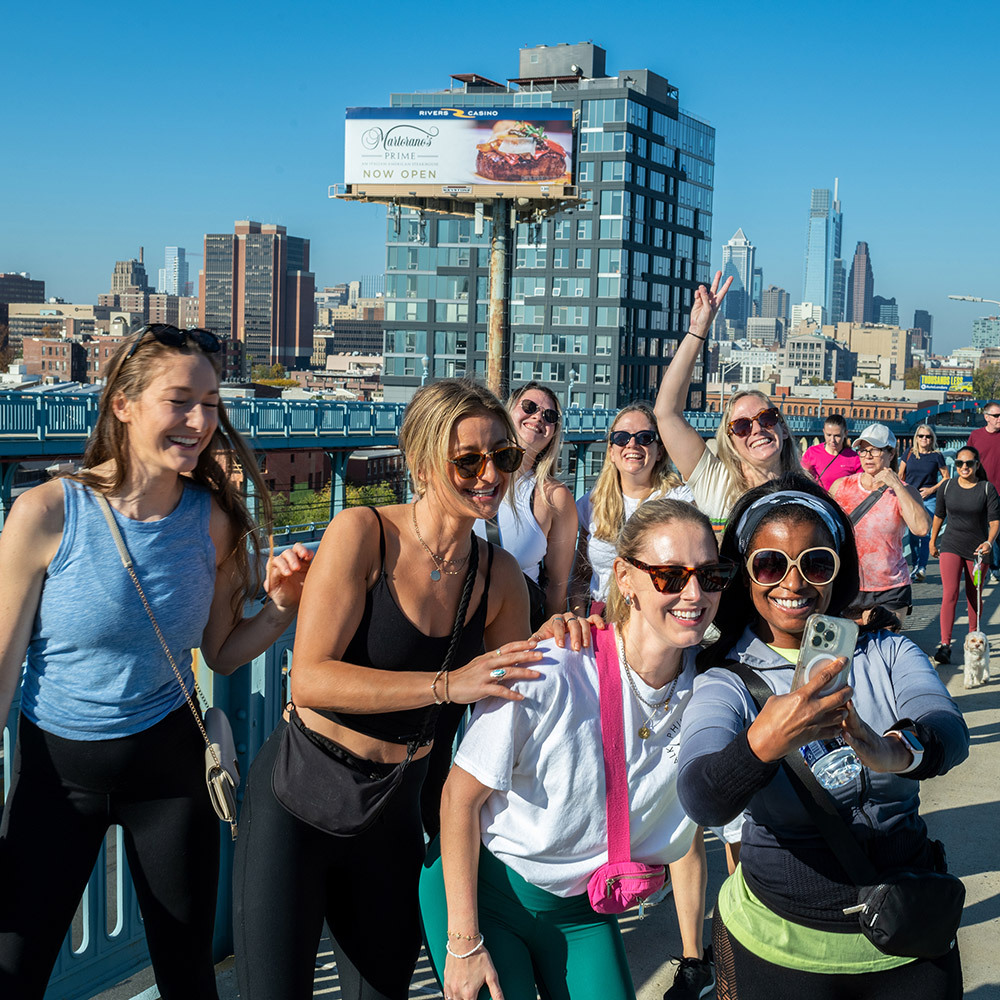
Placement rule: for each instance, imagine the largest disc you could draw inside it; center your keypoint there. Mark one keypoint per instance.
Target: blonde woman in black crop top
(376, 617)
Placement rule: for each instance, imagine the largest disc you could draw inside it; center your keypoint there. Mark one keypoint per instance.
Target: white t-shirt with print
(543, 756)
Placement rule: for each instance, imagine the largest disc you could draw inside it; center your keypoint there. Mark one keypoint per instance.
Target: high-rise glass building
(738, 262)
(861, 287)
(599, 296)
(173, 276)
(986, 332)
(820, 281)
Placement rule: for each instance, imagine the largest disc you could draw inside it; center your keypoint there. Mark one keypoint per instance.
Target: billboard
(948, 382)
(457, 150)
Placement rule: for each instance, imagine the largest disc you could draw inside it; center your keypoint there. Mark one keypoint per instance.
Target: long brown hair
(225, 456)
(607, 505)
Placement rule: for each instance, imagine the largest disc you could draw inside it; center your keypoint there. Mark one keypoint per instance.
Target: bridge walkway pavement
(961, 808)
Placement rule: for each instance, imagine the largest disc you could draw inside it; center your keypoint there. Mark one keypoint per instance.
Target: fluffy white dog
(977, 659)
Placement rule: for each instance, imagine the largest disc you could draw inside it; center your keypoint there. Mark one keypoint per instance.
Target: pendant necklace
(644, 730)
(439, 561)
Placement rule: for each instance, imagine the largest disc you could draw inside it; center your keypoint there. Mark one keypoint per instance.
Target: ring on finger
(499, 653)
(498, 674)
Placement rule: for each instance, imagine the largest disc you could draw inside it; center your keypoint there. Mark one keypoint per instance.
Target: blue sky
(128, 125)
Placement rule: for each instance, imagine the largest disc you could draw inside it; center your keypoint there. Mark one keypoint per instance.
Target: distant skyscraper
(774, 303)
(822, 247)
(756, 291)
(860, 287)
(986, 332)
(130, 276)
(885, 311)
(922, 320)
(738, 261)
(256, 288)
(372, 285)
(174, 273)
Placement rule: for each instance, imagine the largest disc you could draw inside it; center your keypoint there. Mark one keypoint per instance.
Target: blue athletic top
(95, 667)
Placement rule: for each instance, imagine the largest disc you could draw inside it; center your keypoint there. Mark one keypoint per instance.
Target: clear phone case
(825, 638)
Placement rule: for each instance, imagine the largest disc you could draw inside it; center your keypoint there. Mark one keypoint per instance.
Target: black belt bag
(911, 913)
(328, 787)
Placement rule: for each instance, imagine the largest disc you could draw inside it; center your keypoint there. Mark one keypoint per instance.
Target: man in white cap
(881, 507)
(986, 440)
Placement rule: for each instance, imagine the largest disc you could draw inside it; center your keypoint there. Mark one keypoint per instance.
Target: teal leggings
(535, 939)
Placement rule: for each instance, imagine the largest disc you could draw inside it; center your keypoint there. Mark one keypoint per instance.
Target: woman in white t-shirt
(753, 442)
(636, 469)
(505, 905)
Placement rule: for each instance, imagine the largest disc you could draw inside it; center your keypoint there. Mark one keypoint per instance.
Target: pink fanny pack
(620, 883)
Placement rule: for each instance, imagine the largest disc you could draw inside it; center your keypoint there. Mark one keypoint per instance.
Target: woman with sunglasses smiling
(971, 509)
(395, 595)
(780, 929)
(753, 443)
(636, 469)
(105, 734)
(538, 523)
(923, 467)
(885, 578)
(524, 808)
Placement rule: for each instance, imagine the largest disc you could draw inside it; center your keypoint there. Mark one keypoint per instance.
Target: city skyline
(173, 193)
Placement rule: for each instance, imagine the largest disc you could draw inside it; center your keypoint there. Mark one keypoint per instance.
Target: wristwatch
(913, 744)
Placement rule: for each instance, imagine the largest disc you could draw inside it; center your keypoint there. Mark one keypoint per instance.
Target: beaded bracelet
(691, 333)
(468, 954)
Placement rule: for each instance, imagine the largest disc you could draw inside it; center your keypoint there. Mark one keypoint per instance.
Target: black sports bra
(387, 640)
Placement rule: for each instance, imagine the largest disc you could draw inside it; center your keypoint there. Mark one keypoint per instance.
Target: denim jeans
(920, 545)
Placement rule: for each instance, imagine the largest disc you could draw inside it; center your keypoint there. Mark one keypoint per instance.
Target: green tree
(301, 506)
(912, 376)
(371, 496)
(986, 382)
(260, 373)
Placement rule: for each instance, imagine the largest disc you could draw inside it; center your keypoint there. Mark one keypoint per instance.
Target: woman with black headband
(780, 928)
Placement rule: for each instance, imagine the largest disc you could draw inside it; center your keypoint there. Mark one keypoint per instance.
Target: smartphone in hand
(824, 639)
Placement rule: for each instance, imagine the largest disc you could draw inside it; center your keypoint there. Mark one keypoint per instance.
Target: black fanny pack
(911, 913)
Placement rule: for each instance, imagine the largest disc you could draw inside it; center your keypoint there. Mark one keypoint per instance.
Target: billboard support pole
(497, 327)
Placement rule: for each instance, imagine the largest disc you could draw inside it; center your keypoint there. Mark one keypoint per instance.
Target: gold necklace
(439, 561)
(644, 730)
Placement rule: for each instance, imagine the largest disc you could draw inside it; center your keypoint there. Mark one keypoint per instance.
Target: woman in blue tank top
(105, 735)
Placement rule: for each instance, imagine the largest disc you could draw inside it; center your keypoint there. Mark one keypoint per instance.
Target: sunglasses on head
(548, 414)
(766, 419)
(643, 438)
(673, 579)
(473, 463)
(172, 336)
(818, 566)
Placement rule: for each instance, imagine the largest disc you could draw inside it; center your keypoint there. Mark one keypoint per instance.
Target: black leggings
(741, 975)
(64, 796)
(288, 877)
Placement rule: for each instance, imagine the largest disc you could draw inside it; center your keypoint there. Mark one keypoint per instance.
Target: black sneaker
(695, 978)
(943, 653)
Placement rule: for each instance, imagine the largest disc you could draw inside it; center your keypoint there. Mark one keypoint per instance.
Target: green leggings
(536, 939)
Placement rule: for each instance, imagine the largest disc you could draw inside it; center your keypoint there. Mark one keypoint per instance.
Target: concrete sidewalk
(961, 809)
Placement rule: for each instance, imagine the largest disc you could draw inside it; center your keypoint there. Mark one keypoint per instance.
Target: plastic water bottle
(832, 762)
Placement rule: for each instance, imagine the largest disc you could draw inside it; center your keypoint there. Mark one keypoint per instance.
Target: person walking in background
(923, 467)
(753, 442)
(986, 441)
(891, 506)
(636, 469)
(971, 508)
(831, 460)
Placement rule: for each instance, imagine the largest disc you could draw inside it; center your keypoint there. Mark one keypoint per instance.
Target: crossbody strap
(613, 743)
(867, 504)
(126, 558)
(817, 800)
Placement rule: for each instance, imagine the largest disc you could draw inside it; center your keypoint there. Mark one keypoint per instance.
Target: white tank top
(520, 534)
